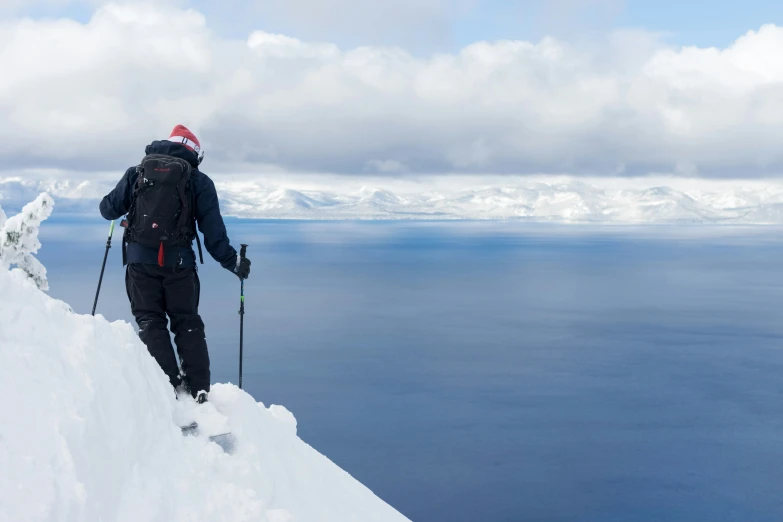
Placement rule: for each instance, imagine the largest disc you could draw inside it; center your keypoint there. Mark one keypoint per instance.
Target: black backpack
(162, 212)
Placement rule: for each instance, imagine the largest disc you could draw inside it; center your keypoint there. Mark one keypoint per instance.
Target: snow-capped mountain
(559, 199)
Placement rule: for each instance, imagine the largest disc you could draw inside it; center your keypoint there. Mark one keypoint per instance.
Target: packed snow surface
(89, 431)
(561, 199)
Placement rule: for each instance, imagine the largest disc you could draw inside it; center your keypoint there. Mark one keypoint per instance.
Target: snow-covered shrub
(19, 239)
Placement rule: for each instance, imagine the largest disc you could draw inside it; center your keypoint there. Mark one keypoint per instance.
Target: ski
(226, 441)
(190, 429)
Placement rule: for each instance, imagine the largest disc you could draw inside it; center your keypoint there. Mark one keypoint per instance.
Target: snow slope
(89, 432)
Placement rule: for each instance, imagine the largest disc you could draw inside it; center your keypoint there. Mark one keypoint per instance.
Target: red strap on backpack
(160, 255)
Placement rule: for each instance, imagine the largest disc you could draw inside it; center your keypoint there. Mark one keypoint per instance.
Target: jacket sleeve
(117, 202)
(210, 223)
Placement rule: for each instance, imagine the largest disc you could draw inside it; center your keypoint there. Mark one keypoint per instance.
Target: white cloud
(386, 166)
(90, 96)
(419, 25)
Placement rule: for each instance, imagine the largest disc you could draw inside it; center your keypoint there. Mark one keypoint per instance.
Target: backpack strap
(187, 206)
(200, 255)
(126, 235)
(195, 227)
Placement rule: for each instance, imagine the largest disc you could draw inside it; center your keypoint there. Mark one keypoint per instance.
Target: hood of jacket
(170, 148)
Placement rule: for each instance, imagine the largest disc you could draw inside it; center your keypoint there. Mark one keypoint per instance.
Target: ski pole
(105, 256)
(242, 253)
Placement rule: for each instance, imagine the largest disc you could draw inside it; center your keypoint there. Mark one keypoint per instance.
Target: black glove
(242, 268)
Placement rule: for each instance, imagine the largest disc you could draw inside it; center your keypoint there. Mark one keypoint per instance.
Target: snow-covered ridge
(561, 200)
(546, 198)
(89, 431)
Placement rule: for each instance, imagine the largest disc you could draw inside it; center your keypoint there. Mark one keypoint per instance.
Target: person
(164, 280)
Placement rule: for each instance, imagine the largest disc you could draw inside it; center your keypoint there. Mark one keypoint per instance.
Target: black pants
(155, 292)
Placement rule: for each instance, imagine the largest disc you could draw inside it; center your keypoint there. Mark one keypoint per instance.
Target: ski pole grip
(242, 251)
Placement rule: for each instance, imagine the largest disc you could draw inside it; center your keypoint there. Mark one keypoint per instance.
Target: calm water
(506, 372)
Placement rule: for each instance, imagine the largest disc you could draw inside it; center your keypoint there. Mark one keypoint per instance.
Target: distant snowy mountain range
(557, 199)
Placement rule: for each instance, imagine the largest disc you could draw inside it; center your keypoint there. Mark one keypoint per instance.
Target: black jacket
(117, 203)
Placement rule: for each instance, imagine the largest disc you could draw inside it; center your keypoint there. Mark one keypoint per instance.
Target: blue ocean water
(505, 371)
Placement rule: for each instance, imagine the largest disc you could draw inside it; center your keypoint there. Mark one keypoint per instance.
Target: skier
(164, 198)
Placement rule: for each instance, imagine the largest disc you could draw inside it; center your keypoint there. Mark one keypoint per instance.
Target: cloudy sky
(396, 88)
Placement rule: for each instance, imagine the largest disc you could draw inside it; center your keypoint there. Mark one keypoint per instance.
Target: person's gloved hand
(242, 268)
